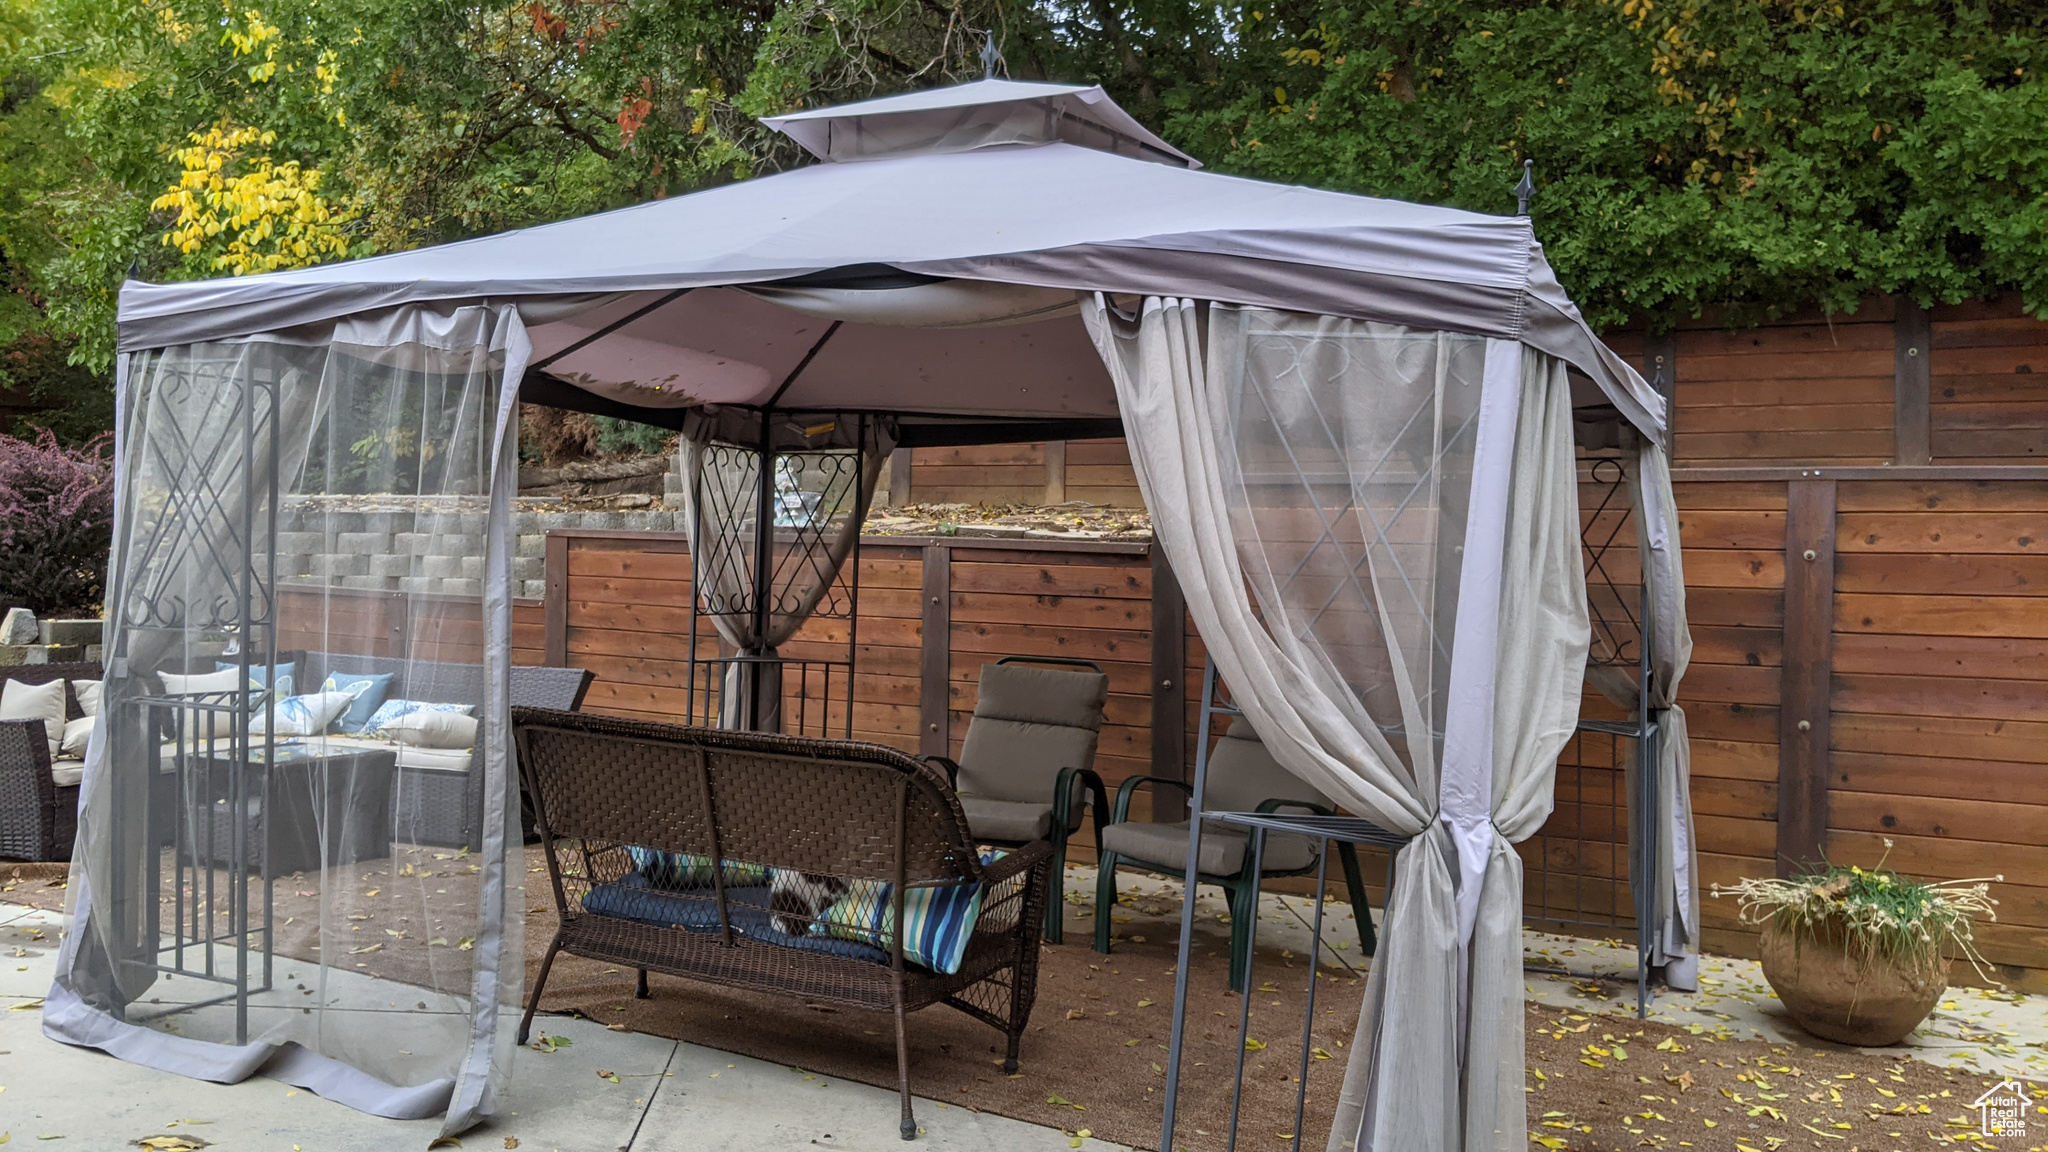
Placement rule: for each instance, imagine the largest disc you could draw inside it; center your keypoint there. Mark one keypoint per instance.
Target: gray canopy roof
(925, 267)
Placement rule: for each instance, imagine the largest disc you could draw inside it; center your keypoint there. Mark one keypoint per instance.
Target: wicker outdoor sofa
(39, 799)
(778, 864)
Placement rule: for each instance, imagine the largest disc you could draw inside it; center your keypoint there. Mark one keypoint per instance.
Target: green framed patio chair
(1243, 777)
(1027, 768)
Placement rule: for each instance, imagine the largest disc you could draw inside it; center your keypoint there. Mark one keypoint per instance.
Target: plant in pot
(1861, 956)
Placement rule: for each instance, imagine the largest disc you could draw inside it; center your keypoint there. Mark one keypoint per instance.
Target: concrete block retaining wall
(431, 552)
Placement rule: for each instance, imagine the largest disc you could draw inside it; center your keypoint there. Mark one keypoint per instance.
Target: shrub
(56, 523)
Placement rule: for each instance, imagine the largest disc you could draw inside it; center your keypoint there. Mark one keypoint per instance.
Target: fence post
(899, 477)
(555, 602)
(935, 673)
(1169, 693)
(1808, 673)
(1911, 349)
(1055, 471)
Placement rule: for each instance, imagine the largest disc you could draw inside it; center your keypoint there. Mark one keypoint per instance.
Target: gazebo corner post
(1189, 878)
(695, 531)
(753, 678)
(853, 586)
(239, 732)
(274, 483)
(1648, 835)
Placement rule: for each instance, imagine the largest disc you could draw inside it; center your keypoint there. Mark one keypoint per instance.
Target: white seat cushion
(1015, 820)
(68, 773)
(45, 702)
(434, 759)
(424, 729)
(76, 733)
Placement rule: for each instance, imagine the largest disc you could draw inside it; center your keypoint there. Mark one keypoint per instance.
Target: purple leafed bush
(56, 523)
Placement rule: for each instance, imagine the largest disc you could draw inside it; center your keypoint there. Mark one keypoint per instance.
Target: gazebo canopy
(1352, 420)
(986, 203)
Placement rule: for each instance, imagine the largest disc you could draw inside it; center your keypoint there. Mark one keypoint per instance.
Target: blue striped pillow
(688, 870)
(938, 921)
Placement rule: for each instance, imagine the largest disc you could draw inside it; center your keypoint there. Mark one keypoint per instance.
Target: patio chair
(39, 795)
(1027, 768)
(1243, 777)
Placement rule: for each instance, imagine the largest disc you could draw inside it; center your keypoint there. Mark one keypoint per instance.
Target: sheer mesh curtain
(307, 525)
(1324, 470)
(824, 475)
(1676, 933)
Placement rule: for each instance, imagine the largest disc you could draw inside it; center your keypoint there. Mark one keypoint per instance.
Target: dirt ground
(1094, 1057)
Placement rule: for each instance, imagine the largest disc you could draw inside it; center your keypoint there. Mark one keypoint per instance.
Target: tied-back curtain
(822, 477)
(1317, 484)
(300, 792)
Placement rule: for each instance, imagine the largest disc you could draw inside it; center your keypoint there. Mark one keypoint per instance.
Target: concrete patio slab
(668, 1095)
(719, 1102)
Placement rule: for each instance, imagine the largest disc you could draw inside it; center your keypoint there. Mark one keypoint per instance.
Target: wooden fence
(1889, 687)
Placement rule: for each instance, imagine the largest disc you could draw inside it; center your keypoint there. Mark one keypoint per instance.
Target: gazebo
(1353, 421)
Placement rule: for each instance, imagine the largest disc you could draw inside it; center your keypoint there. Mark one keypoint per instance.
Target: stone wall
(441, 552)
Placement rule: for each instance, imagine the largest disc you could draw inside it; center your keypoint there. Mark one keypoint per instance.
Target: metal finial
(991, 55)
(1526, 188)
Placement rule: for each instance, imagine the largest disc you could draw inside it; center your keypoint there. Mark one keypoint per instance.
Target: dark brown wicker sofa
(778, 864)
(38, 816)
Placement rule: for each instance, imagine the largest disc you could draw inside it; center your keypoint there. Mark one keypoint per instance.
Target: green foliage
(67, 399)
(618, 437)
(1764, 154)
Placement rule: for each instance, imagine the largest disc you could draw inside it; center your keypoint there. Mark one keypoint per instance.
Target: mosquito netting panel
(758, 590)
(299, 793)
(1376, 528)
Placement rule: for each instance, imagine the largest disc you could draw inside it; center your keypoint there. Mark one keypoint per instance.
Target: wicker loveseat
(783, 833)
(39, 800)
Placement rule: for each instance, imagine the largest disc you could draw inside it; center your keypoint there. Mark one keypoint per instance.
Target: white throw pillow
(76, 733)
(43, 702)
(226, 680)
(425, 729)
(307, 715)
(88, 693)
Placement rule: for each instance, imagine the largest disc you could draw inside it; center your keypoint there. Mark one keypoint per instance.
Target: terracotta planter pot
(1850, 1000)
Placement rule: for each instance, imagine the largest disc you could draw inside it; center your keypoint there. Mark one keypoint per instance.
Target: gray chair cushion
(1243, 775)
(1006, 819)
(1223, 852)
(1071, 697)
(1029, 723)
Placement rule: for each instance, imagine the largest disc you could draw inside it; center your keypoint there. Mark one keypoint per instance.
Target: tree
(1765, 154)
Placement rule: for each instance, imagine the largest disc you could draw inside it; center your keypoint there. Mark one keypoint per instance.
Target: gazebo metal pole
(238, 734)
(1648, 833)
(754, 672)
(1187, 908)
(860, 463)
